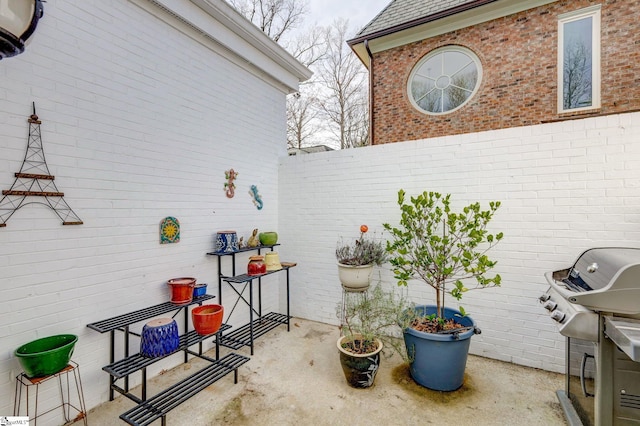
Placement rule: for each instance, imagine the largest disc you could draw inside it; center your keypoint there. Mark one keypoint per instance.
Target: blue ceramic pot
(226, 242)
(438, 361)
(199, 290)
(159, 338)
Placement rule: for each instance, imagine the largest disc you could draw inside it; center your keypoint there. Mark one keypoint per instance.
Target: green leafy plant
(444, 249)
(362, 251)
(367, 316)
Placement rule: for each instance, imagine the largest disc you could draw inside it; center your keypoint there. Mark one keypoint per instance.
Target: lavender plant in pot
(356, 260)
(448, 252)
(368, 322)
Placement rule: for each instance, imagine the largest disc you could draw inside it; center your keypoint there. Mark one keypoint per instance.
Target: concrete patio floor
(295, 378)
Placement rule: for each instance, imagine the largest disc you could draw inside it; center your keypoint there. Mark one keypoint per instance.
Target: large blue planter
(438, 361)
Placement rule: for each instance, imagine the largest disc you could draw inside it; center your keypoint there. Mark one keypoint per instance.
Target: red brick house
(451, 67)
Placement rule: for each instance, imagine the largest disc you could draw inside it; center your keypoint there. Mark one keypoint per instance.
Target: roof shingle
(402, 11)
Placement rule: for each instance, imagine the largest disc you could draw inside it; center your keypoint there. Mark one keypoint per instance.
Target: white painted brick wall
(139, 122)
(564, 187)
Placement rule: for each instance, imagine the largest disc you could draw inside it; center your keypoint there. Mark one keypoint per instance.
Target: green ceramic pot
(268, 238)
(46, 356)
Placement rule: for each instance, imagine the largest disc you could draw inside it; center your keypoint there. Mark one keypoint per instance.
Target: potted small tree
(447, 251)
(368, 319)
(356, 260)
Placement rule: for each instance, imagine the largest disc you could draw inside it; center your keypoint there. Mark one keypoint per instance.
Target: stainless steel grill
(598, 300)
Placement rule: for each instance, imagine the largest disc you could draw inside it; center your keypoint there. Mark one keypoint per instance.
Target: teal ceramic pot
(268, 238)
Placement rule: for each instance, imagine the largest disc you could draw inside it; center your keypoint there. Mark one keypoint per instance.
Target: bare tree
(308, 46)
(345, 103)
(273, 17)
(460, 88)
(577, 75)
(336, 99)
(302, 123)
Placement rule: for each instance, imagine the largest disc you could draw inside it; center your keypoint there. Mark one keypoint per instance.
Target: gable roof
(407, 21)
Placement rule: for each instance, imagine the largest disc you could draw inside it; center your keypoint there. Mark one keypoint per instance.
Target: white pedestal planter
(355, 278)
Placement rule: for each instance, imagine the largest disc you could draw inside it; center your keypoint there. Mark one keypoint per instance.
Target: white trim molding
(592, 12)
(219, 27)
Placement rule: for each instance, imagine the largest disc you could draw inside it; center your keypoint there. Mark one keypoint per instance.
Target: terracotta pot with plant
(356, 260)
(368, 319)
(448, 252)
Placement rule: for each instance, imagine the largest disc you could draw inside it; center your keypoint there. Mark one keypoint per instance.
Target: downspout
(366, 46)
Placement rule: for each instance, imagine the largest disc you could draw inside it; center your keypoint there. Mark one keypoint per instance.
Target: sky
(358, 12)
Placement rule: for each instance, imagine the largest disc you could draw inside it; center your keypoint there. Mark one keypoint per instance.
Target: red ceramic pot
(256, 266)
(207, 319)
(181, 289)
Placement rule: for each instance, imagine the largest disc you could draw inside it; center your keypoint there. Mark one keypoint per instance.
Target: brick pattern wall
(519, 85)
(139, 122)
(564, 187)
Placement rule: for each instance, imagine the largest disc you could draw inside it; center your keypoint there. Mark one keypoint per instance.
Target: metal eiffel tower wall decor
(34, 184)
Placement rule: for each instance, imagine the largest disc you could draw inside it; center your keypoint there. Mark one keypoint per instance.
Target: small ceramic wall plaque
(169, 230)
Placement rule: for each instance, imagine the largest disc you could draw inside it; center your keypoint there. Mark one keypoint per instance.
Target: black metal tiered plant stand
(246, 335)
(149, 410)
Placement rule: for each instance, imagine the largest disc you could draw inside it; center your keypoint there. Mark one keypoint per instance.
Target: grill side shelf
(124, 320)
(625, 333)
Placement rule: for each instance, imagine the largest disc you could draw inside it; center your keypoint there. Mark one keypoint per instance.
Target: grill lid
(603, 279)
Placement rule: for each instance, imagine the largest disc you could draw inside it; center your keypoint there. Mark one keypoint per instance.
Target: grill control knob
(558, 316)
(544, 297)
(550, 306)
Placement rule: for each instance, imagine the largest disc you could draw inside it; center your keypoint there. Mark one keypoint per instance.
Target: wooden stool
(23, 382)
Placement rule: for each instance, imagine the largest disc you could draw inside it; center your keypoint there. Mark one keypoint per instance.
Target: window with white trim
(579, 60)
(444, 80)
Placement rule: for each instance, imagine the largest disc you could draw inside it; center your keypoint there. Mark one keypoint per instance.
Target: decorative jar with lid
(256, 266)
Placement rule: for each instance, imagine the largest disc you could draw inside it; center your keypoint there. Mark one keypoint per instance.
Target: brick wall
(564, 187)
(139, 122)
(519, 85)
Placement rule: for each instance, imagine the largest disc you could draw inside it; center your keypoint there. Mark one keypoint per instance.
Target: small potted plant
(356, 260)
(368, 320)
(448, 252)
